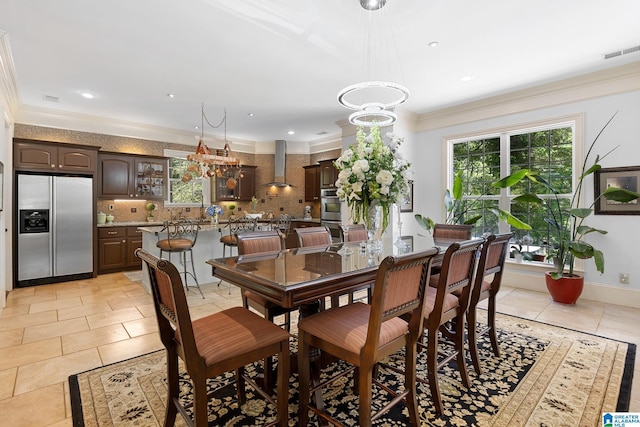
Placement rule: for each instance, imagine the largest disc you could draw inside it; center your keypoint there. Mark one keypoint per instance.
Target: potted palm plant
(567, 224)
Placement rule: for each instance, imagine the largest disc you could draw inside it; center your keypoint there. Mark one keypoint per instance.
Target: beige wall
(278, 200)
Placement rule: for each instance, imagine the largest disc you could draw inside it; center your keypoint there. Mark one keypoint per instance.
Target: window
(181, 193)
(548, 149)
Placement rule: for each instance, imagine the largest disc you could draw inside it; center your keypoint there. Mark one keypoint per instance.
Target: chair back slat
(241, 224)
(252, 242)
(313, 236)
(452, 231)
(356, 233)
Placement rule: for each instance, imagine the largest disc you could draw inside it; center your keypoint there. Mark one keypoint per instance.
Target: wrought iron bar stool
(181, 237)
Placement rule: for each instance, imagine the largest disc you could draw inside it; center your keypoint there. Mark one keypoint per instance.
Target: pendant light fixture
(373, 100)
(208, 164)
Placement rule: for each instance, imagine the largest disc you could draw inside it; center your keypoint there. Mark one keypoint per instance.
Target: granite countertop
(130, 224)
(206, 221)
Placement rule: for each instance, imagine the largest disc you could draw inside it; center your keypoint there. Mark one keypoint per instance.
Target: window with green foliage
(184, 193)
(548, 150)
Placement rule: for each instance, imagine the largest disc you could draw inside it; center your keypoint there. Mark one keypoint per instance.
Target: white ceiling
(285, 60)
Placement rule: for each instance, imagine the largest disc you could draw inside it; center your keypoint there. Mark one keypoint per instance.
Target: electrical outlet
(111, 206)
(134, 210)
(187, 209)
(624, 278)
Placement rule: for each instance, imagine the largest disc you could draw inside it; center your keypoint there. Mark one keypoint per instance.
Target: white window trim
(576, 121)
(206, 183)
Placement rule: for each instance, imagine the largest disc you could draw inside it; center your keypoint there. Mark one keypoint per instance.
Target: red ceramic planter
(565, 290)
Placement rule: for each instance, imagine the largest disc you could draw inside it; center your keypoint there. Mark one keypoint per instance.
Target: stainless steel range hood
(280, 162)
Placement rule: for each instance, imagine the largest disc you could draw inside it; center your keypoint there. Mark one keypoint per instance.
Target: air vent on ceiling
(621, 52)
(51, 98)
(323, 132)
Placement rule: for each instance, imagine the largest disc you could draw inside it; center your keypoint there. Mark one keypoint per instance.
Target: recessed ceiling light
(291, 132)
(170, 95)
(467, 78)
(250, 114)
(433, 44)
(87, 95)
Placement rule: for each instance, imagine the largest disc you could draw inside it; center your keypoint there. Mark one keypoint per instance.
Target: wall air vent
(51, 98)
(621, 52)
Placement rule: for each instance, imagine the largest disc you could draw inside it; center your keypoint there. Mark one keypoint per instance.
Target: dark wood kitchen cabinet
(235, 184)
(116, 249)
(54, 157)
(124, 176)
(312, 183)
(328, 174)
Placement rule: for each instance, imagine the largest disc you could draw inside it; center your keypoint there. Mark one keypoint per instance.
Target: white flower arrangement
(372, 171)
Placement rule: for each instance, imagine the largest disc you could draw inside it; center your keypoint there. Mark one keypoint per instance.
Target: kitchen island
(207, 246)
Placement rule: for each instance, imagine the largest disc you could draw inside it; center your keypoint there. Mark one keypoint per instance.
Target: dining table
(302, 276)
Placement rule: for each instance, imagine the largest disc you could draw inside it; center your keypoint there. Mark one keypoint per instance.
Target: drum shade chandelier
(372, 100)
(206, 162)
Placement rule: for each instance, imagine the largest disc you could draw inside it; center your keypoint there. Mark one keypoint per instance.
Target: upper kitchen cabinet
(234, 184)
(328, 174)
(312, 183)
(54, 157)
(123, 176)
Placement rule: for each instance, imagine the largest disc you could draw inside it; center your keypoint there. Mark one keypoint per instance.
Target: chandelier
(208, 163)
(372, 100)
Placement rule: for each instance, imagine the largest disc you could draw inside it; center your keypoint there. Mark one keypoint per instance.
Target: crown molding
(602, 83)
(8, 82)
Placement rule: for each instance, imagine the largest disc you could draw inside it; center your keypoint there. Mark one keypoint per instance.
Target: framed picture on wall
(407, 204)
(624, 177)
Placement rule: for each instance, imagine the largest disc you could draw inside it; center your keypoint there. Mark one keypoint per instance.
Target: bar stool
(181, 237)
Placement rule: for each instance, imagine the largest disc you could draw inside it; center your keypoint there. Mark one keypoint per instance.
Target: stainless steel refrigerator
(55, 231)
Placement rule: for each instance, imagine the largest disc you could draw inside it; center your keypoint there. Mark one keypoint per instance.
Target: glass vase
(373, 222)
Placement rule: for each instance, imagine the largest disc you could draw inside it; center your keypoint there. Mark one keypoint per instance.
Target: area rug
(545, 376)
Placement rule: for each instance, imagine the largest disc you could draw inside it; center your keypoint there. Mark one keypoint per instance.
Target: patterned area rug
(545, 376)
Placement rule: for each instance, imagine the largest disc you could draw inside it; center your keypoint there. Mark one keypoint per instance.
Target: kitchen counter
(129, 224)
(223, 221)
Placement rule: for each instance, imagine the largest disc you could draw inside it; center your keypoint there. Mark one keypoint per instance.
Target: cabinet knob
(53, 166)
(124, 241)
(112, 232)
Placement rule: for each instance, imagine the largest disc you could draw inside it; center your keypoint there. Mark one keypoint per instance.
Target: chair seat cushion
(262, 304)
(174, 245)
(232, 333)
(450, 301)
(346, 327)
(229, 239)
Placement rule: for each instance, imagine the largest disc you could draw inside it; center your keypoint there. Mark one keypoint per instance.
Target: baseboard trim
(534, 281)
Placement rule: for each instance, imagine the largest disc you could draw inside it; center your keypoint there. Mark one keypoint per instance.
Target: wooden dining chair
(180, 238)
(444, 312)
(210, 346)
(487, 285)
(313, 236)
(264, 242)
(363, 335)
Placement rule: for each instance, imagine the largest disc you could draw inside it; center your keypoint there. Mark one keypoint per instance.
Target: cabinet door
(311, 184)
(223, 188)
(134, 241)
(328, 174)
(71, 159)
(34, 157)
(151, 178)
(115, 176)
(112, 254)
(247, 183)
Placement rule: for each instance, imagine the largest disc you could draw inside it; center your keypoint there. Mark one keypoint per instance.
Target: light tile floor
(50, 332)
